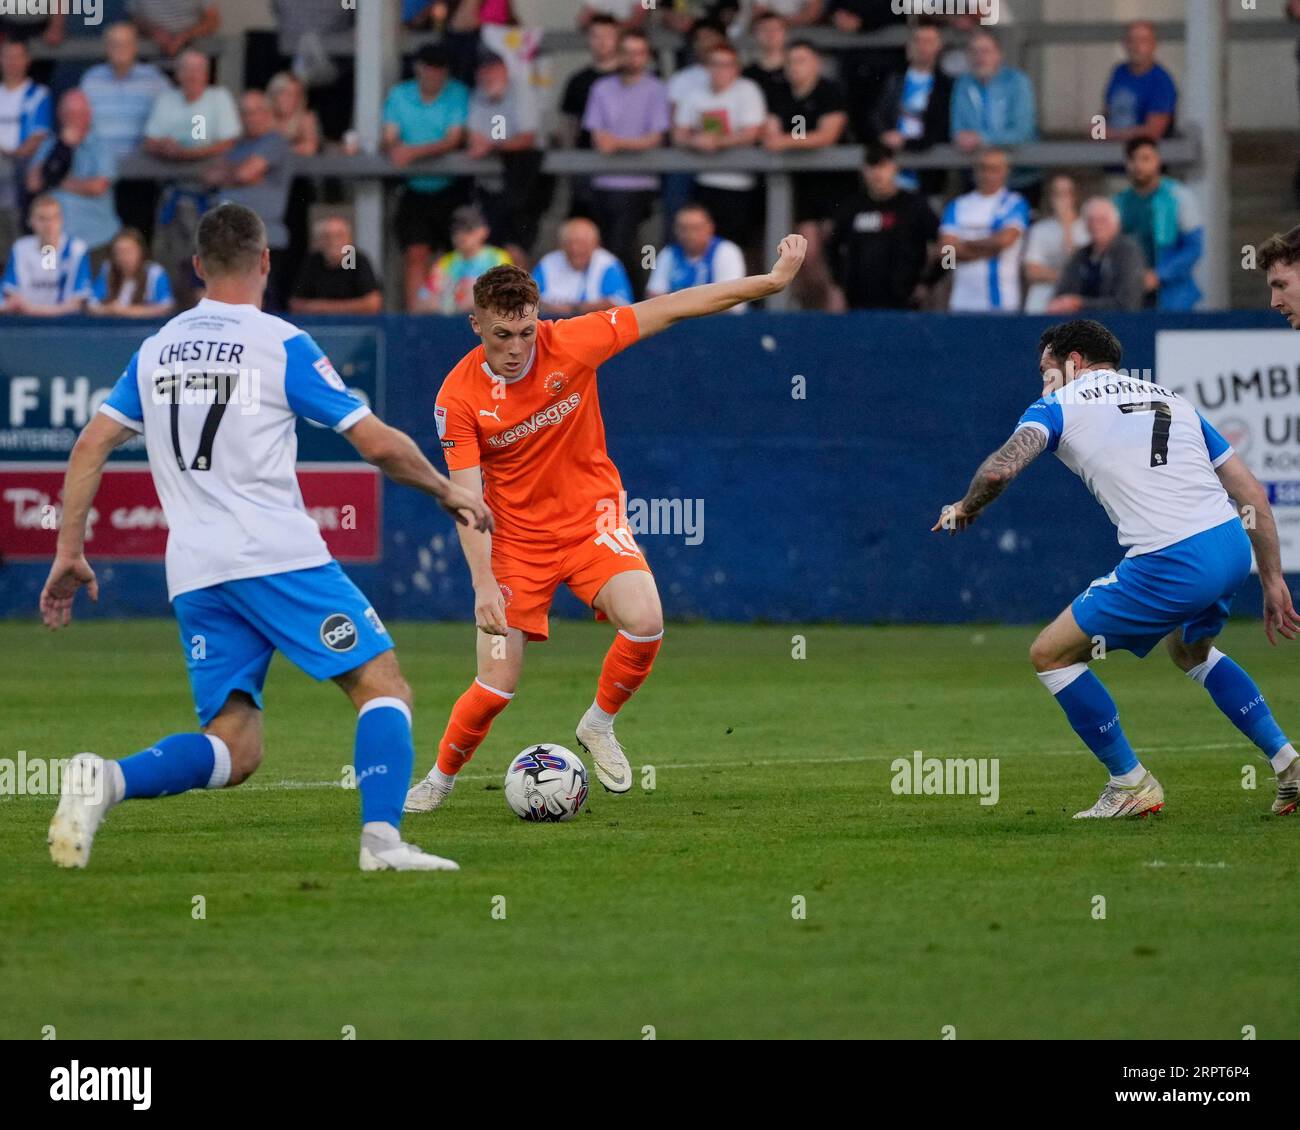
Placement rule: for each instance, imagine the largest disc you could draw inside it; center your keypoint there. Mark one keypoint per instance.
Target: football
(546, 783)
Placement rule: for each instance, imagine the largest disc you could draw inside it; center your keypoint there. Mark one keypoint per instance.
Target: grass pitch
(672, 909)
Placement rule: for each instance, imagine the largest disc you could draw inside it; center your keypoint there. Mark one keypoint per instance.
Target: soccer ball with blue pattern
(546, 783)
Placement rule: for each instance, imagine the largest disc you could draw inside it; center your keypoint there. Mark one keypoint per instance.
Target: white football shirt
(1147, 455)
(217, 392)
(983, 285)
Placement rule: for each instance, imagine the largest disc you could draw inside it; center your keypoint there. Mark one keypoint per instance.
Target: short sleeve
(615, 284)
(313, 388)
(391, 115)
(593, 339)
(228, 126)
(1045, 415)
(100, 292)
(457, 433)
(123, 403)
(949, 221)
(1189, 212)
(728, 262)
(82, 284)
(43, 112)
(160, 286)
(1164, 94)
(658, 282)
(1014, 215)
(1219, 448)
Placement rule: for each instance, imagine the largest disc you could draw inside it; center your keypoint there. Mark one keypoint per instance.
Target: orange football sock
(627, 665)
(470, 720)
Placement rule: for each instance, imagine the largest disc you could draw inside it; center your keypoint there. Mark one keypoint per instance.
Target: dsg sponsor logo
(338, 633)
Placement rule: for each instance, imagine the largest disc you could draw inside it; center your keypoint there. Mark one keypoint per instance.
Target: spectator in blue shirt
(48, 274)
(1141, 97)
(26, 118)
(129, 285)
(992, 104)
(77, 169)
(425, 117)
(1161, 215)
(122, 92)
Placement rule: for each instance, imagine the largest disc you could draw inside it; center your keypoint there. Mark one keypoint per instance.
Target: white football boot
(428, 794)
(607, 756)
(1288, 789)
(1117, 801)
(87, 791)
(382, 849)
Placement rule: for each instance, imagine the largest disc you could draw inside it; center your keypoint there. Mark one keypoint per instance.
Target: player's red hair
(507, 290)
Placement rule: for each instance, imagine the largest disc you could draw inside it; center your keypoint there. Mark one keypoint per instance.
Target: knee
(1187, 655)
(647, 622)
(1043, 656)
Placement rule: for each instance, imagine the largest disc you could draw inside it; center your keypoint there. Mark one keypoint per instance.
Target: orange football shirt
(540, 439)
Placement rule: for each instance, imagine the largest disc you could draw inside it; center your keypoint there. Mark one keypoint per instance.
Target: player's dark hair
(807, 44)
(1133, 144)
(601, 19)
(1281, 248)
(231, 240)
(507, 290)
(633, 33)
(1091, 340)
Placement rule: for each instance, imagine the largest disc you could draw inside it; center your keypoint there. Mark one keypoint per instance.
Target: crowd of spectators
(881, 237)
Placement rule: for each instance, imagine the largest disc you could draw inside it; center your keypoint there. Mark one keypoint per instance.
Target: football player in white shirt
(1168, 481)
(217, 393)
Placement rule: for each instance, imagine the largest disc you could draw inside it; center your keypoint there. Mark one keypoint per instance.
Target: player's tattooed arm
(992, 478)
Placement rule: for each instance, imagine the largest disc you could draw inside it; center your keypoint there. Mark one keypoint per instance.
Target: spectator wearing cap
(336, 277)
(581, 276)
(425, 117)
(1141, 97)
(1104, 274)
(122, 91)
(257, 173)
(503, 120)
(449, 288)
(174, 24)
(697, 255)
(627, 113)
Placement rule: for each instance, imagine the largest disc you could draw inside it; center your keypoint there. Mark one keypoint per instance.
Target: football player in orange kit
(519, 421)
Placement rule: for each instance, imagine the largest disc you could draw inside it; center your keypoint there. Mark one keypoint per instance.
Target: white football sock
(1131, 778)
(1283, 757)
(438, 777)
(382, 830)
(599, 719)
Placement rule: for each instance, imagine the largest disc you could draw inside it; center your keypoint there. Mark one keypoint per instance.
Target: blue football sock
(1235, 693)
(178, 763)
(1093, 715)
(385, 756)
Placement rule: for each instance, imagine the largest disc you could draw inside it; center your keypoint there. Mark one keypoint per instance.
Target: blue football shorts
(317, 617)
(1187, 585)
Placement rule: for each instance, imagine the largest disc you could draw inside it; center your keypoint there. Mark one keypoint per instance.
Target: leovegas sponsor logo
(546, 417)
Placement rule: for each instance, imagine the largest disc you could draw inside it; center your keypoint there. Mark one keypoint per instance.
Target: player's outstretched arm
(992, 478)
(400, 458)
(1251, 498)
(655, 315)
(71, 570)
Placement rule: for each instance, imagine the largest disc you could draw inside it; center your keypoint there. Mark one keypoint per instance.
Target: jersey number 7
(1159, 427)
(224, 384)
